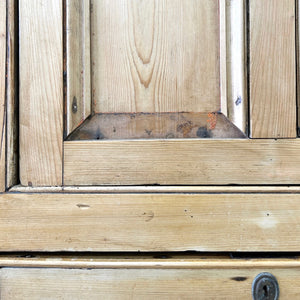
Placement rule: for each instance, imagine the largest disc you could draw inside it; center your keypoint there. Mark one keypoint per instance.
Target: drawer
(143, 277)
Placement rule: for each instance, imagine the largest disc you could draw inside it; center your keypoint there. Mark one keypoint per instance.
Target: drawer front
(144, 278)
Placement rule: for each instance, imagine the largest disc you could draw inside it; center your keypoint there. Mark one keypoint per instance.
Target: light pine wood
(236, 92)
(155, 56)
(149, 222)
(78, 62)
(155, 126)
(298, 63)
(272, 69)
(157, 189)
(182, 162)
(223, 55)
(2, 92)
(148, 261)
(41, 92)
(12, 158)
(34, 283)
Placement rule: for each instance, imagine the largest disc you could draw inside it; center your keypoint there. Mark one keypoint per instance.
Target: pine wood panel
(236, 64)
(272, 69)
(12, 138)
(182, 162)
(140, 284)
(298, 65)
(78, 62)
(41, 92)
(159, 189)
(155, 56)
(2, 92)
(149, 222)
(155, 126)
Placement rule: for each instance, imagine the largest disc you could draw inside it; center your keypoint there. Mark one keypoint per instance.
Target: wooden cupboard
(154, 126)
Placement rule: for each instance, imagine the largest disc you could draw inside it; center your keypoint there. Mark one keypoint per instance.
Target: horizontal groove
(150, 261)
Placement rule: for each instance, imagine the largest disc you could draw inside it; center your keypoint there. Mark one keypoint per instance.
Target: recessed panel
(155, 56)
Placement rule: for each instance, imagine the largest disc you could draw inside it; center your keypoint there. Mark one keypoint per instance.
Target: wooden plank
(78, 63)
(149, 261)
(272, 69)
(155, 125)
(41, 92)
(157, 189)
(236, 72)
(149, 222)
(182, 162)
(298, 64)
(154, 51)
(12, 152)
(129, 284)
(223, 55)
(2, 93)
(140, 284)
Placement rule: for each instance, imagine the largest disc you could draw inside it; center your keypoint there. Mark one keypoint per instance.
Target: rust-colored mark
(185, 128)
(212, 120)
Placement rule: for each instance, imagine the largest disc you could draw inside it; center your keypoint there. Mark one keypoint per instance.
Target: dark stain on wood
(239, 278)
(203, 132)
(115, 126)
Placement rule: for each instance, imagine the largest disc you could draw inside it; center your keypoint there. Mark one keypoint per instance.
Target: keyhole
(264, 287)
(266, 291)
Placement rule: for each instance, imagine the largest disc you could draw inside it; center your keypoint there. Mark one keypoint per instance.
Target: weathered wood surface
(156, 125)
(159, 189)
(229, 283)
(272, 69)
(155, 56)
(149, 222)
(182, 162)
(41, 92)
(78, 62)
(161, 260)
(2, 92)
(12, 152)
(236, 63)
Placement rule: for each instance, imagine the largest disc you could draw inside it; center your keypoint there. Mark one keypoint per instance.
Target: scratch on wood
(148, 215)
(83, 206)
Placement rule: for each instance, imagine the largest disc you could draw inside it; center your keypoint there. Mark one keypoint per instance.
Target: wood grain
(12, 131)
(31, 284)
(149, 222)
(272, 69)
(2, 93)
(236, 63)
(298, 63)
(182, 162)
(204, 261)
(159, 189)
(78, 63)
(155, 56)
(41, 92)
(155, 126)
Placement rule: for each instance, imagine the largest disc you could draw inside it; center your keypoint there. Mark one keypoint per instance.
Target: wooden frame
(232, 28)
(150, 222)
(57, 219)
